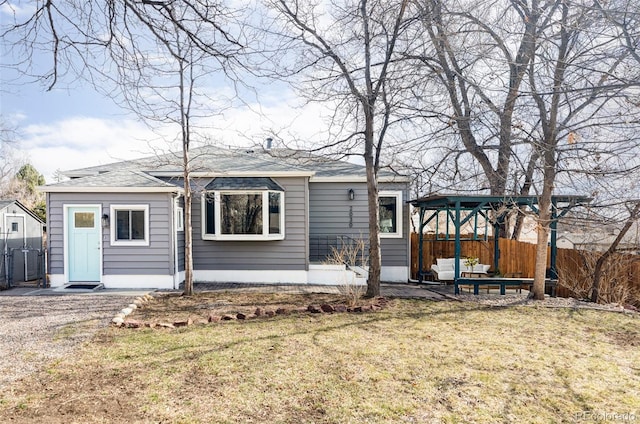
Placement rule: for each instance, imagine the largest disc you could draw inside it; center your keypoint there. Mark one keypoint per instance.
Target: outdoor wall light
(105, 221)
(352, 194)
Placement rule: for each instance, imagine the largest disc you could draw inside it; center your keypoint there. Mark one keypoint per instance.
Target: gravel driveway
(36, 330)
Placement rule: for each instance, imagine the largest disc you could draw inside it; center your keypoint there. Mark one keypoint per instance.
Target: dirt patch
(626, 338)
(204, 307)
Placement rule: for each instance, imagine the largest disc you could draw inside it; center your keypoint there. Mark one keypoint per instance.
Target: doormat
(84, 286)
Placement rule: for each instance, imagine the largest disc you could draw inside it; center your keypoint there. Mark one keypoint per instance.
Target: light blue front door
(83, 226)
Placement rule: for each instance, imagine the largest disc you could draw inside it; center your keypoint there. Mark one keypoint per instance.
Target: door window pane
(83, 219)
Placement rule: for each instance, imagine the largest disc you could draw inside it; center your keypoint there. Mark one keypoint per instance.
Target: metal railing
(348, 250)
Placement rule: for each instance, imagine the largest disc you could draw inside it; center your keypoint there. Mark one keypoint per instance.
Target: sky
(73, 126)
(65, 129)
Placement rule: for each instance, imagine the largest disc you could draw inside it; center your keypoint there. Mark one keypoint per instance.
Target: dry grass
(415, 361)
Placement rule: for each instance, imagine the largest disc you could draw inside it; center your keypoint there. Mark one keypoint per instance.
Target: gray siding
(329, 216)
(117, 260)
(288, 254)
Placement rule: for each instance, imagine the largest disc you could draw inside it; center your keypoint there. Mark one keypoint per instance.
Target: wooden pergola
(463, 209)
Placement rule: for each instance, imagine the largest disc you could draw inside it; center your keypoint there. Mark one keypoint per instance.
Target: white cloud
(81, 142)
(18, 10)
(78, 142)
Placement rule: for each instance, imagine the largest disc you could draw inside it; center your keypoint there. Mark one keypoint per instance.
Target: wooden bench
(502, 283)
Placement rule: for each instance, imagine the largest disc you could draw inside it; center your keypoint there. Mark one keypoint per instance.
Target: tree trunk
(375, 255)
(544, 224)
(540, 274)
(186, 92)
(188, 231)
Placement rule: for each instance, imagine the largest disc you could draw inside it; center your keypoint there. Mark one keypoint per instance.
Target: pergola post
(420, 241)
(458, 247)
(554, 237)
(496, 245)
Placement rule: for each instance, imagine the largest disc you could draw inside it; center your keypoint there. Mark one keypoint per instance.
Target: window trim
(114, 221)
(265, 236)
(399, 208)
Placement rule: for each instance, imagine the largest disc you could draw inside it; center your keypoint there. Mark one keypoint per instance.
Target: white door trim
(65, 220)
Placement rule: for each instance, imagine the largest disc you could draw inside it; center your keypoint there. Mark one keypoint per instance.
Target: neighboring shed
(20, 242)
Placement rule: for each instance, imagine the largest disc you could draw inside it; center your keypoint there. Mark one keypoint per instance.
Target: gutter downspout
(174, 225)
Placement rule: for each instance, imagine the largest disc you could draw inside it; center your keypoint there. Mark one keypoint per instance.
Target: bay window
(243, 209)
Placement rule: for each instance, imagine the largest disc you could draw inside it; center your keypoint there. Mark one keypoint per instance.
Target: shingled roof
(114, 181)
(164, 172)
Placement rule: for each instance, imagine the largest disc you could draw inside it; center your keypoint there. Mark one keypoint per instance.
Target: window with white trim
(179, 218)
(390, 204)
(130, 225)
(243, 214)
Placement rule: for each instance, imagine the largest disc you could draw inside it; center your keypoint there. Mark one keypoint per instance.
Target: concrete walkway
(399, 290)
(33, 291)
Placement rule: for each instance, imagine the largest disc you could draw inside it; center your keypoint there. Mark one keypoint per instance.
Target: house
(20, 242)
(268, 216)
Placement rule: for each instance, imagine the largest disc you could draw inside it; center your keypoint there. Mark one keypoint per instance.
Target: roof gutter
(359, 179)
(89, 189)
(274, 174)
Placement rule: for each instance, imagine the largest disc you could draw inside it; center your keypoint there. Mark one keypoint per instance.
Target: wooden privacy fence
(515, 257)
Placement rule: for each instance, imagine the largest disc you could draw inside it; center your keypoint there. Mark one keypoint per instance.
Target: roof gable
(6, 203)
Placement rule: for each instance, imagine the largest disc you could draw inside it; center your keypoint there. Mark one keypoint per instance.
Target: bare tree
(131, 45)
(345, 53)
(580, 84)
(517, 79)
(479, 54)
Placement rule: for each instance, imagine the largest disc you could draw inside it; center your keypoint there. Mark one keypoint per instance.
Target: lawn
(414, 361)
